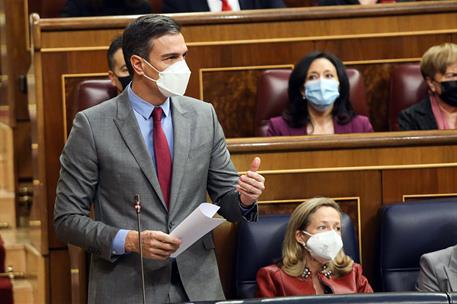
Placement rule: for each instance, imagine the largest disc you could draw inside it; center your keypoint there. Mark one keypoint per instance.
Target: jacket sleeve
(76, 189)
(367, 127)
(406, 121)
(427, 279)
(223, 178)
(272, 130)
(266, 287)
(363, 286)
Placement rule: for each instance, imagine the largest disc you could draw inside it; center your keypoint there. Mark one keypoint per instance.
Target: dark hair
(296, 113)
(115, 45)
(138, 35)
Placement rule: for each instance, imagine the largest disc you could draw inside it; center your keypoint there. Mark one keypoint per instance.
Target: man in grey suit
(170, 149)
(438, 271)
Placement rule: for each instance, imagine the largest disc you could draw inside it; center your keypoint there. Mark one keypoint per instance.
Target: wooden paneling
(14, 62)
(59, 277)
(401, 185)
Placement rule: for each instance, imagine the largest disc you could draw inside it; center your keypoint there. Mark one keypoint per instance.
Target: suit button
(170, 225)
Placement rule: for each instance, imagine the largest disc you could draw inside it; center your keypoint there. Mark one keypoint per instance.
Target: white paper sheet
(196, 225)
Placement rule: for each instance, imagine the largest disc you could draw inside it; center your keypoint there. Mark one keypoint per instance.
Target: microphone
(137, 205)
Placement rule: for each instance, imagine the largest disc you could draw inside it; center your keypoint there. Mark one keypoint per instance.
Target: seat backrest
(407, 87)
(92, 92)
(272, 97)
(260, 244)
(2, 255)
(409, 230)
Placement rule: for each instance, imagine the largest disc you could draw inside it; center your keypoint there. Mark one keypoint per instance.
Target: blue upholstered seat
(409, 230)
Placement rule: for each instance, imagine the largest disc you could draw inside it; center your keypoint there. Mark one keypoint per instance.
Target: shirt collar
(143, 107)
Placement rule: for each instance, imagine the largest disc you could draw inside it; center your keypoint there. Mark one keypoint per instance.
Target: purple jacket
(277, 126)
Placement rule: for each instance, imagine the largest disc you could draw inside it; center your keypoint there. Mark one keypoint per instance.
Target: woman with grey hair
(437, 111)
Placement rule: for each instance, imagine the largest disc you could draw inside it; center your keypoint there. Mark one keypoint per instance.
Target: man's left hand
(251, 185)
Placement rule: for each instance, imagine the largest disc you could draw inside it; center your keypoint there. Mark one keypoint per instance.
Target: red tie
(226, 6)
(162, 156)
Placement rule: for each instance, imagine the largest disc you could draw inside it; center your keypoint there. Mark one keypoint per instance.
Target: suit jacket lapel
(181, 143)
(131, 134)
(451, 270)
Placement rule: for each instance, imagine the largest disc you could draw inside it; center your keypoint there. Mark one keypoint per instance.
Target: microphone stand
(137, 206)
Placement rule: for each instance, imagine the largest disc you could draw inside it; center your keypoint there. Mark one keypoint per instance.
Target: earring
(306, 273)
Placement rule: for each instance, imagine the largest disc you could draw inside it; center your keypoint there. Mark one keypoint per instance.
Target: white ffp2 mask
(324, 246)
(173, 80)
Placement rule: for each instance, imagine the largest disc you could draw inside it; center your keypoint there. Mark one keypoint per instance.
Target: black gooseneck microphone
(137, 205)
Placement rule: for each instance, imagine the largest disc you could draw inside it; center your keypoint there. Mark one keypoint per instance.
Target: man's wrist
(245, 206)
(131, 242)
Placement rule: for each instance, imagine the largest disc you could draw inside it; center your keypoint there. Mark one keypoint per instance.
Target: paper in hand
(196, 225)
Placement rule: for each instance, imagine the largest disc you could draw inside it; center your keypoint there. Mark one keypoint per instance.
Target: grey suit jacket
(438, 271)
(105, 163)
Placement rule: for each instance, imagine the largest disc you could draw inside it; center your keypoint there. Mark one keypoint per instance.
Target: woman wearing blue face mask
(318, 100)
(313, 261)
(437, 111)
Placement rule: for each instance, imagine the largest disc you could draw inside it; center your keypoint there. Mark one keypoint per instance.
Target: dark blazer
(418, 117)
(83, 8)
(183, 6)
(272, 281)
(277, 126)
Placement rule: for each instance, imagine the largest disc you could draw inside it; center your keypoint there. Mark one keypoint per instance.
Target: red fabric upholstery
(407, 87)
(2, 256)
(92, 92)
(272, 96)
(6, 288)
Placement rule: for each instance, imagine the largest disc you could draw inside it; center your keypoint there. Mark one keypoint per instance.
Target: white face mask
(324, 246)
(173, 80)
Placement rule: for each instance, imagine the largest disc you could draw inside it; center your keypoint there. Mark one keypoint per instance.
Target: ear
(112, 77)
(299, 236)
(137, 64)
(430, 84)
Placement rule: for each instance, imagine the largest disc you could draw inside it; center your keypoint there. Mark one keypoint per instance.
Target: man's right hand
(156, 244)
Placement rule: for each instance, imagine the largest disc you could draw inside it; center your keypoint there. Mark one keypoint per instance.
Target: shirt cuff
(249, 213)
(118, 246)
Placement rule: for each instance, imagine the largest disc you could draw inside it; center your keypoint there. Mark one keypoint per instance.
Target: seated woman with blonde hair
(313, 261)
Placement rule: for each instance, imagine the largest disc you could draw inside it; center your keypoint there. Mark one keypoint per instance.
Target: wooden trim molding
(285, 14)
(343, 141)
(407, 197)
